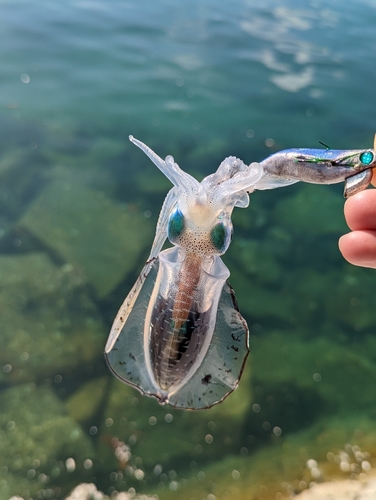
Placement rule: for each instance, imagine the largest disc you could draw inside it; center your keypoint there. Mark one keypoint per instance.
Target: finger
(359, 248)
(360, 210)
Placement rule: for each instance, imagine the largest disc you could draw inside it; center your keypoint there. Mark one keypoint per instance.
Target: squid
(179, 336)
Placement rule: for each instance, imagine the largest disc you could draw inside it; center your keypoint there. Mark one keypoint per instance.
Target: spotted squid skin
(188, 281)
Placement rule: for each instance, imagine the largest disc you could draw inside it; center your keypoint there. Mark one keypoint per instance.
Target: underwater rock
(88, 491)
(21, 178)
(311, 210)
(307, 297)
(259, 303)
(162, 436)
(102, 238)
(341, 377)
(85, 401)
(11, 158)
(352, 301)
(254, 260)
(86, 163)
(37, 437)
(254, 217)
(10, 483)
(49, 323)
(337, 448)
(341, 490)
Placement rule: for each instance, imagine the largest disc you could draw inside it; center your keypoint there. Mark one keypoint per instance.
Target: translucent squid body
(179, 336)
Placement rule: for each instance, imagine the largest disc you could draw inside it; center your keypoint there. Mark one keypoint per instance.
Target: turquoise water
(78, 207)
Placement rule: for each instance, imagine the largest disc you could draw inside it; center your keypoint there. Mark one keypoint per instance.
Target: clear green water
(78, 207)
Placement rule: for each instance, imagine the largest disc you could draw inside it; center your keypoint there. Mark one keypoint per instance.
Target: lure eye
(176, 225)
(219, 236)
(366, 158)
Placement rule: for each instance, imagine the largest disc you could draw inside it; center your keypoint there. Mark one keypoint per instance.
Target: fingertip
(346, 245)
(360, 210)
(341, 242)
(359, 248)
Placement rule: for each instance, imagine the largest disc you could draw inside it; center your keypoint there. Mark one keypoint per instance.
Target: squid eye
(218, 236)
(366, 158)
(176, 225)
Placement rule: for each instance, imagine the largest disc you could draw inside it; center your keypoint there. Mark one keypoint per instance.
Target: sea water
(201, 80)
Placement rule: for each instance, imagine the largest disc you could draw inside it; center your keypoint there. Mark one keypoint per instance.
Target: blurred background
(200, 80)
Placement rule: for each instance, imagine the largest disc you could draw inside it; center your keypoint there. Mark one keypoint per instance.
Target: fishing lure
(179, 335)
(320, 166)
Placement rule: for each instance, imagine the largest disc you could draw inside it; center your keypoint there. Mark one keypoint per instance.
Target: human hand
(359, 246)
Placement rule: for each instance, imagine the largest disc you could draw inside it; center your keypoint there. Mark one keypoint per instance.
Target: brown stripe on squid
(174, 327)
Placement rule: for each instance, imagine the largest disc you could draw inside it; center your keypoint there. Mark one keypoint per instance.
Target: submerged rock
(341, 378)
(22, 175)
(158, 438)
(341, 490)
(84, 403)
(49, 323)
(259, 303)
(290, 464)
(256, 261)
(99, 237)
(352, 301)
(88, 491)
(311, 211)
(39, 442)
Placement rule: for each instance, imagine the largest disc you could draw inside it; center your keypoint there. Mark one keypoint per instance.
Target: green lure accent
(218, 237)
(176, 225)
(326, 160)
(366, 158)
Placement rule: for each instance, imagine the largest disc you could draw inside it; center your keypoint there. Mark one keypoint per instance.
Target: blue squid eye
(366, 158)
(176, 225)
(218, 237)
